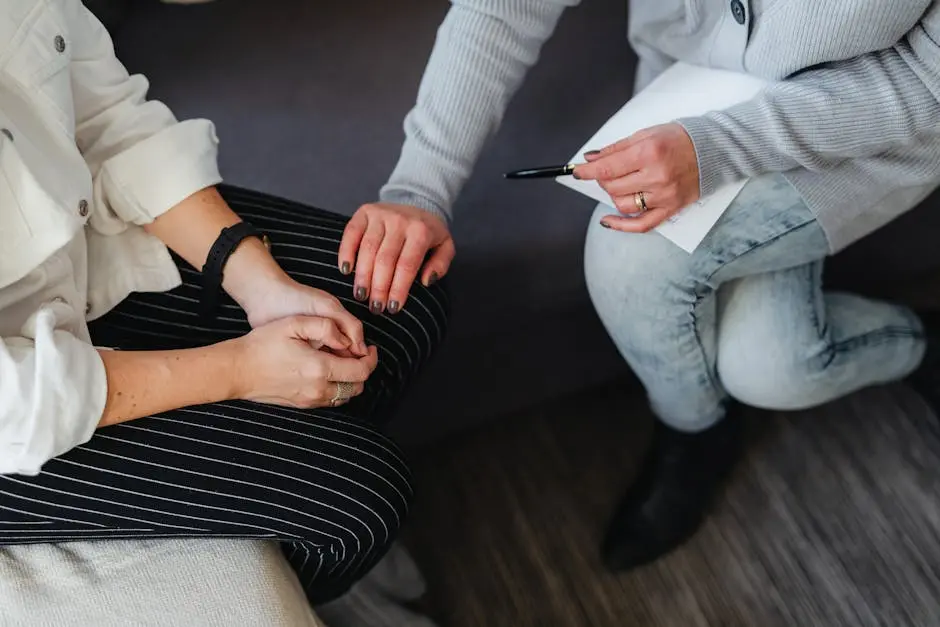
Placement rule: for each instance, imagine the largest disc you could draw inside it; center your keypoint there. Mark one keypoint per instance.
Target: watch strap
(223, 247)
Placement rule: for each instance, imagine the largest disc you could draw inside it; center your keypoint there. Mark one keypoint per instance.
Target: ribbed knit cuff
(715, 168)
(399, 196)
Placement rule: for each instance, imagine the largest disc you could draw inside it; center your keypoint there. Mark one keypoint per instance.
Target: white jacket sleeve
(142, 159)
(53, 390)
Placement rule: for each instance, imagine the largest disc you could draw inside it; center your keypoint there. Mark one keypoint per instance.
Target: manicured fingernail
(344, 268)
(376, 307)
(393, 306)
(360, 293)
(606, 226)
(432, 279)
(591, 153)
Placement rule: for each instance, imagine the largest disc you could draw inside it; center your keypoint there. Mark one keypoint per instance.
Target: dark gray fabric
(309, 99)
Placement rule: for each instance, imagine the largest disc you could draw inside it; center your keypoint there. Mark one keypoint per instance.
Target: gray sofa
(309, 97)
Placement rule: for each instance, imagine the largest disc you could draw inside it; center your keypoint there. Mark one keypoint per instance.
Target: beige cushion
(184, 583)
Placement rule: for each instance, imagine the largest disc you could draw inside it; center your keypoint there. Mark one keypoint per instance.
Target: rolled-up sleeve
(53, 389)
(143, 161)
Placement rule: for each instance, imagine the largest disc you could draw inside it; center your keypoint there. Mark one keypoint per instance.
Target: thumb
(438, 263)
(319, 331)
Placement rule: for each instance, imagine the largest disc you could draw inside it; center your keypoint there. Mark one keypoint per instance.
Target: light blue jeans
(744, 316)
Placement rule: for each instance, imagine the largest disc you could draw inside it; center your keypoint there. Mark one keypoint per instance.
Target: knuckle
(386, 261)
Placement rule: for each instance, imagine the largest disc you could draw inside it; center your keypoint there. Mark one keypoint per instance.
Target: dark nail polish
(605, 225)
(591, 153)
(360, 293)
(393, 306)
(376, 307)
(344, 268)
(432, 279)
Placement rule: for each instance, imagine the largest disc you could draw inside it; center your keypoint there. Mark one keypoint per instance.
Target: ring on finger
(639, 199)
(344, 391)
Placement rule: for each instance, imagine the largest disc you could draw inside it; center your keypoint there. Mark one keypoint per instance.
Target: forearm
(853, 109)
(144, 383)
(482, 53)
(191, 227)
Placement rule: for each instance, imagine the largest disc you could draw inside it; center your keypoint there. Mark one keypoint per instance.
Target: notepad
(681, 91)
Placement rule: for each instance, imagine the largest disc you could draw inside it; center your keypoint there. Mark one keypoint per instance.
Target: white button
(59, 43)
(58, 299)
(83, 207)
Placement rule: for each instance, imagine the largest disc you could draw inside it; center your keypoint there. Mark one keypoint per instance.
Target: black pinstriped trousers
(324, 482)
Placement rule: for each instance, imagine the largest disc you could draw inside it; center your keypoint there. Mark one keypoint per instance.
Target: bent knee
(769, 374)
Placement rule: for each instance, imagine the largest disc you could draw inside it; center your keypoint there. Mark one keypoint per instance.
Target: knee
(350, 491)
(378, 492)
(629, 273)
(765, 371)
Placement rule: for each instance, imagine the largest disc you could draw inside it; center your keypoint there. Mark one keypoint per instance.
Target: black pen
(542, 173)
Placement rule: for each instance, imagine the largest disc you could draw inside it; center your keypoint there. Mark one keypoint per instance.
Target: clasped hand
(305, 349)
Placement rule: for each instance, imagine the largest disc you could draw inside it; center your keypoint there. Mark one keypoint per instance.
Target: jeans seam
(712, 376)
(873, 338)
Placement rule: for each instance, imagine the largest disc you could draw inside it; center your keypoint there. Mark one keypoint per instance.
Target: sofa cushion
(185, 583)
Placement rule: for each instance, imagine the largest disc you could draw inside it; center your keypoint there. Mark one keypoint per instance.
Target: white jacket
(85, 160)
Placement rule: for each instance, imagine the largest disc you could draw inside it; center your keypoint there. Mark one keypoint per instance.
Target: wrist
(231, 357)
(249, 273)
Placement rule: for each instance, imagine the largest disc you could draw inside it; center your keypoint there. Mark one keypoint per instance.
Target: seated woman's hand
(300, 361)
(660, 162)
(279, 298)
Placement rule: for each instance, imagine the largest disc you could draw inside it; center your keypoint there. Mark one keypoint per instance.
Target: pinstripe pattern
(325, 482)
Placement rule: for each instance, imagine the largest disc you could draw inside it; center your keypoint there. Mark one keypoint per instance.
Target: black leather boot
(677, 484)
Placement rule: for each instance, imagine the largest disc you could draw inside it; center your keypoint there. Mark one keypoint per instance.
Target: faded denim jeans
(744, 316)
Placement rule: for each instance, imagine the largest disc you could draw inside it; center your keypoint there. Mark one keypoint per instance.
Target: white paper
(681, 91)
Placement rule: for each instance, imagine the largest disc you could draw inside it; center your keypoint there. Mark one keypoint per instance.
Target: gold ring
(639, 199)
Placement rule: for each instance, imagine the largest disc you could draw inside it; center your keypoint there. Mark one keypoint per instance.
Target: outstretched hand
(387, 247)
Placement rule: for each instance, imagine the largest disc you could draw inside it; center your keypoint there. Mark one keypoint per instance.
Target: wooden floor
(832, 520)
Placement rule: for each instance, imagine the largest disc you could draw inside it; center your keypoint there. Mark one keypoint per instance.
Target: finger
(628, 185)
(351, 327)
(610, 166)
(365, 261)
(352, 237)
(385, 261)
(319, 331)
(353, 370)
(627, 205)
(409, 264)
(640, 224)
(439, 263)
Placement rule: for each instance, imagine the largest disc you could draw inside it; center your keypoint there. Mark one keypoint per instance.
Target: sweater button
(83, 207)
(59, 43)
(737, 11)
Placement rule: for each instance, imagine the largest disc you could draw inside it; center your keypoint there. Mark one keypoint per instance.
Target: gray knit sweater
(852, 116)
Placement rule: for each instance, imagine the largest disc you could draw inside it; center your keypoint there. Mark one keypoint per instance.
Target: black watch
(222, 249)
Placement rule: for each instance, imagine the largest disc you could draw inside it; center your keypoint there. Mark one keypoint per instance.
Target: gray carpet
(832, 520)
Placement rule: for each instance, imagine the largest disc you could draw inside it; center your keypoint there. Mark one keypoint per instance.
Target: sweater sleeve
(855, 108)
(480, 57)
